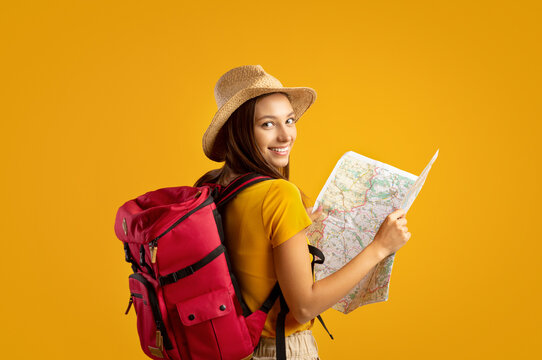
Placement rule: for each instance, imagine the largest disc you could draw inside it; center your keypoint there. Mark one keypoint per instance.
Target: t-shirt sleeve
(283, 213)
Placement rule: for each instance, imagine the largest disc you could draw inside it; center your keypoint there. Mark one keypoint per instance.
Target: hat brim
(301, 99)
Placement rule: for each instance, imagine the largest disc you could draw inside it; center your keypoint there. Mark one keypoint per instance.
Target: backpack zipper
(153, 248)
(132, 295)
(129, 305)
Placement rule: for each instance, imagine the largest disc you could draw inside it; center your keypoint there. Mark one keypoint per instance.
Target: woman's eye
(267, 124)
(290, 121)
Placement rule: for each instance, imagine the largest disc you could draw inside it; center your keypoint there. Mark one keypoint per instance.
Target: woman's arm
(306, 299)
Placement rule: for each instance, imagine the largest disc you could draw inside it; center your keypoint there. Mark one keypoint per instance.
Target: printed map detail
(358, 195)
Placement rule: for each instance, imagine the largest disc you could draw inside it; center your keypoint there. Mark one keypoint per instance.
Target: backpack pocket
(153, 335)
(212, 327)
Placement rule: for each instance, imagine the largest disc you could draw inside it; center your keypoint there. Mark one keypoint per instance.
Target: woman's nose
(284, 134)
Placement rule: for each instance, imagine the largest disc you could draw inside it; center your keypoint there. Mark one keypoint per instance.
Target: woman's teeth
(284, 149)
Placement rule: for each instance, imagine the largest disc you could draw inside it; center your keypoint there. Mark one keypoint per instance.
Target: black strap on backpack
(273, 296)
(280, 338)
(222, 196)
(315, 252)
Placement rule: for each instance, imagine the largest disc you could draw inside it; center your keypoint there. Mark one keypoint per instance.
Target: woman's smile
(281, 151)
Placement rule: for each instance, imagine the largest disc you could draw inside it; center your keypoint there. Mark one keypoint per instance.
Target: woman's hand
(392, 234)
(316, 214)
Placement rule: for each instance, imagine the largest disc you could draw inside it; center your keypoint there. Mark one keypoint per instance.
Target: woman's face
(274, 128)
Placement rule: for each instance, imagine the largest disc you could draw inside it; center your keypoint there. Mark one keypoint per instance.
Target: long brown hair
(242, 153)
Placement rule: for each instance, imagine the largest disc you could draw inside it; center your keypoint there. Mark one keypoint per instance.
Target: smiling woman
(254, 131)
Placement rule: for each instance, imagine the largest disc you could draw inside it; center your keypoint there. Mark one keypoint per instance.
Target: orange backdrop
(102, 101)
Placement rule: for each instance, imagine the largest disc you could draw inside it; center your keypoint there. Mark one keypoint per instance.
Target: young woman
(254, 130)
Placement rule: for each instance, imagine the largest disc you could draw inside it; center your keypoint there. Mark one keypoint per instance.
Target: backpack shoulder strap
(280, 342)
(236, 186)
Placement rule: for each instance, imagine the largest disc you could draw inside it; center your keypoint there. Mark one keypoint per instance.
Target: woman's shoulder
(283, 186)
(281, 191)
(283, 211)
(271, 191)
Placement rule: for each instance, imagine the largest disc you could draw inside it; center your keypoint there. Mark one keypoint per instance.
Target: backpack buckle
(190, 270)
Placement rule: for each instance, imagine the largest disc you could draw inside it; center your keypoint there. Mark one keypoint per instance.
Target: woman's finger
(315, 215)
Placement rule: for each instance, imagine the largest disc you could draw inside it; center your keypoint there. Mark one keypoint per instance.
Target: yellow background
(102, 101)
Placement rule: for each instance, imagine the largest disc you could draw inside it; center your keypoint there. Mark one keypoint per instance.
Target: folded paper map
(356, 198)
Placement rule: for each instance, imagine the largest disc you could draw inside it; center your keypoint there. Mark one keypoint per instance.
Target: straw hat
(239, 85)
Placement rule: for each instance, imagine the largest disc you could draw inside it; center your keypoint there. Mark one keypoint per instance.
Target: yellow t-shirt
(261, 217)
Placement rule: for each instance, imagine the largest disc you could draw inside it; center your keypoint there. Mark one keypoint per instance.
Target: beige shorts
(299, 346)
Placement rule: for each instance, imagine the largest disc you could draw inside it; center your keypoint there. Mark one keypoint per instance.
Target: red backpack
(185, 294)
